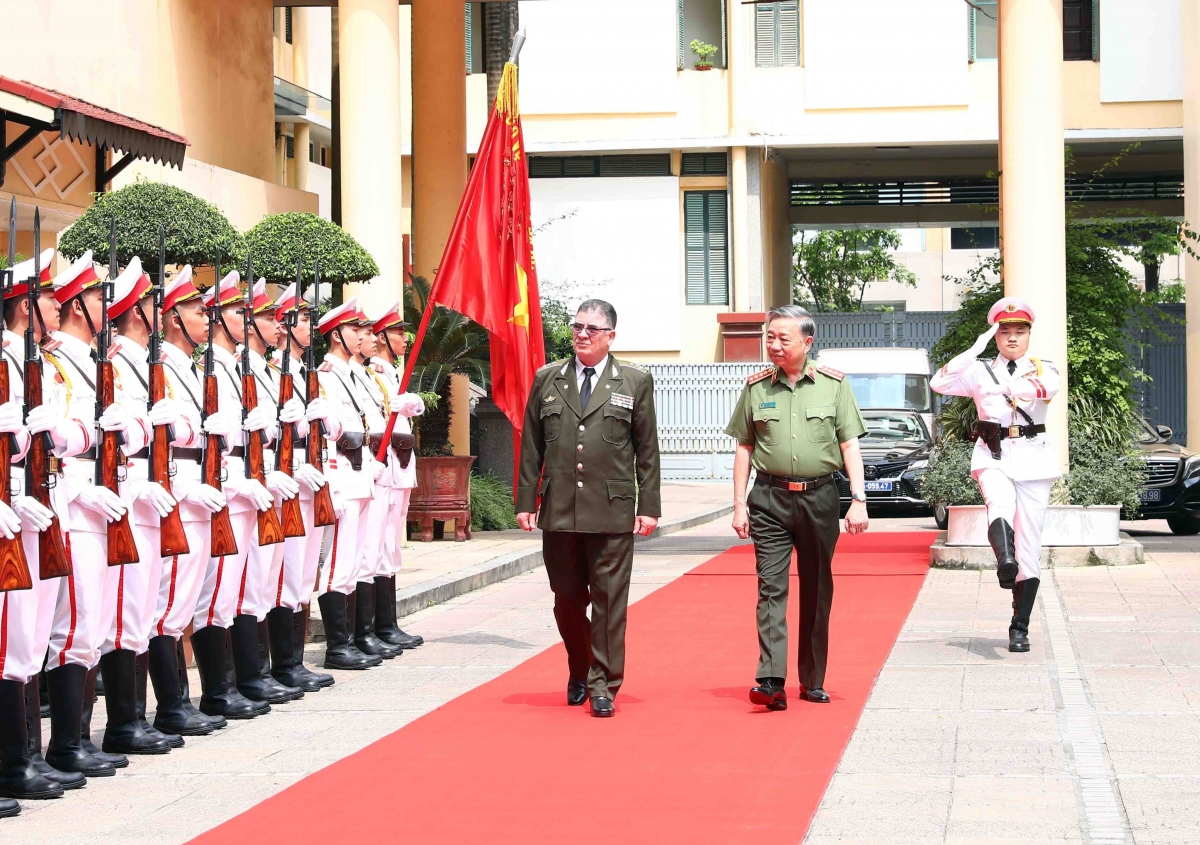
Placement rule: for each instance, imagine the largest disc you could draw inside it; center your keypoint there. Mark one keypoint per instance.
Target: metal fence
(1160, 353)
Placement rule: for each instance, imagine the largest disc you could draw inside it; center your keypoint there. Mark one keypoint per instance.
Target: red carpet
(687, 758)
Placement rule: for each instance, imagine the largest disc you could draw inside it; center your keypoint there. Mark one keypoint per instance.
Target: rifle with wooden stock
(40, 466)
(14, 568)
(172, 539)
(121, 546)
(270, 531)
(293, 518)
(222, 537)
(323, 511)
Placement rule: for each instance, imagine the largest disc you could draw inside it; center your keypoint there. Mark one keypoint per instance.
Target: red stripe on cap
(1014, 317)
(78, 285)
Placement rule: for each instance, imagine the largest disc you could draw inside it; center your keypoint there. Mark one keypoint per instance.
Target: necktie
(1012, 367)
(585, 390)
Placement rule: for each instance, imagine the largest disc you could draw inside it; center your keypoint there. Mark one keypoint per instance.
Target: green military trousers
(781, 520)
(597, 568)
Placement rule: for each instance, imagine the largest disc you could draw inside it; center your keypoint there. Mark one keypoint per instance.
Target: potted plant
(705, 52)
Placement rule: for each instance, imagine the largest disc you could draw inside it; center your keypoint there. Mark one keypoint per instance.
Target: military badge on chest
(621, 401)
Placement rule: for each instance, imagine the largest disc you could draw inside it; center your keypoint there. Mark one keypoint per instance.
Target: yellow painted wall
(1082, 108)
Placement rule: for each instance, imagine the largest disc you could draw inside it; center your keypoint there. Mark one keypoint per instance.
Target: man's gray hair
(808, 326)
(605, 308)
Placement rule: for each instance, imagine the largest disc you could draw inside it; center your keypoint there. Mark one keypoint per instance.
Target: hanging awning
(43, 109)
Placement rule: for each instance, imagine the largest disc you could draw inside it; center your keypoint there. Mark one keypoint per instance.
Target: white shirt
(599, 368)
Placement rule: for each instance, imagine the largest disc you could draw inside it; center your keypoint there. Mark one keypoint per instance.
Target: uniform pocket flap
(543, 486)
(820, 412)
(618, 412)
(766, 413)
(551, 410)
(620, 490)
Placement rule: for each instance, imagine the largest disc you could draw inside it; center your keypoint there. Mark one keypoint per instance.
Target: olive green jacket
(584, 462)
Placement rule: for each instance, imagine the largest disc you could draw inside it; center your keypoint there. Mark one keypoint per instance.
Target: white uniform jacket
(229, 392)
(387, 379)
(186, 387)
(1031, 387)
(347, 417)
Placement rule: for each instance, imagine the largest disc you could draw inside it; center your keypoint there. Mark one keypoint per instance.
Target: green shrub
(948, 479)
(280, 242)
(491, 504)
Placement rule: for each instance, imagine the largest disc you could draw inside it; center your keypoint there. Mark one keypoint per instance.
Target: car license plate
(879, 486)
(1152, 495)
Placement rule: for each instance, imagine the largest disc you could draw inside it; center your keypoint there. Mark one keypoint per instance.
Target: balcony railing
(1167, 186)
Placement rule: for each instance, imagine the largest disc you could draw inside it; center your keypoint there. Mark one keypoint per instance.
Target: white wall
(620, 243)
(1141, 50)
(583, 57)
(882, 54)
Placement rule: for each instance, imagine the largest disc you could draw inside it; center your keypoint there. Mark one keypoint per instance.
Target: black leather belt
(237, 452)
(196, 455)
(1014, 431)
(795, 485)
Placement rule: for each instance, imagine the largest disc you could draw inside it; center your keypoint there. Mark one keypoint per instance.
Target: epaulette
(838, 375)
(325, 367)
(550, 366)
(51, 344)
(760, 375)
(114, 348)
(377, 367)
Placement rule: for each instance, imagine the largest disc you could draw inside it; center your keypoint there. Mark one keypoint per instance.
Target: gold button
(793, 437)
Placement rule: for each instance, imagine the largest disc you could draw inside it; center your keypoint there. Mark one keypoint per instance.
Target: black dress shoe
(817, 695)
(770, 694)
(9, 808)
(576, 693)
(602, 707)
(1018, 641)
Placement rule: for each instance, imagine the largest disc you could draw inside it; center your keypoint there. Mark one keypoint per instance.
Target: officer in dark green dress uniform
(589, 451)
(796, 423)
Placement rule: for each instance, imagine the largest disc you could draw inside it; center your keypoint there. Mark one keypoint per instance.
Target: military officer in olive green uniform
(590, 434)
(796, 423)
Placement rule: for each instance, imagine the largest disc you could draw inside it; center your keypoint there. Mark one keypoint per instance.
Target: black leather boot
(1000, 535)
(299, 635)
(141, 669)
(1024, 596)
(185, 691)
(71, 695)
(247, 670)
(264, 665)
(285, 667)
(340, 652)
(385, 615)
(9, 808)
(33, 727)
(18, 778)
(44, 693)
(169, 716)
(364, 623)
(124, 734)
(90, 698)
(218, 697)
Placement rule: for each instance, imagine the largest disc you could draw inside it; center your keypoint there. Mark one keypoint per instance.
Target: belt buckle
(797, 486)
(1014, 431)
(53, 465)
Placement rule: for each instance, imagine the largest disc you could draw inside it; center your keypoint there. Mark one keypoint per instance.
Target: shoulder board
(760, 375)
(550, 366)
(325, 367)
(838, 375)
(51, 344)
(113, 349)
(377, 367)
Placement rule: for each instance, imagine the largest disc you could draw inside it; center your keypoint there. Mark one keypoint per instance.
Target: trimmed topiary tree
(279, 241)
(195, 228)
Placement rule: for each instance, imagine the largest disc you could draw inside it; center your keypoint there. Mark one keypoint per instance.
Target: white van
(891, 379)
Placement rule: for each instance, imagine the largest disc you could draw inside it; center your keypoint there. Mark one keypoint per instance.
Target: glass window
(700, 20)
(985, 43)
(894, 428)
(975, 237)
(906, 391)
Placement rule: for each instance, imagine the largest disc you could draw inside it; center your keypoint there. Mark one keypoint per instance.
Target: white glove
(115, 418)
(318, 409)
(157, 496)
(101, 500)
(310, 477)
(219, 424)
(339, 504)
(377, 469)
(292, 411)
(10, 418)
(10, 523)
(164, 412)
(209, 498)
(408, 404)
(46, 419)
(34, 515)
(283, 484)
(250, 489)
(261, 418)
(960, 363)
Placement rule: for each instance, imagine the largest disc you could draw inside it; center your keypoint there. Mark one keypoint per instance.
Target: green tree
(831, 268)
(279, 241)
(195, 229)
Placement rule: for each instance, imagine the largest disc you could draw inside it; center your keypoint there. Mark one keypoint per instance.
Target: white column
(1032, 203)
(1191, 207)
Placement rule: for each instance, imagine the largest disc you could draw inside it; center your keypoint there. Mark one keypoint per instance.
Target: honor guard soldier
(350, 477)
(185, 326)
(796, 424)
(214, 637)
(1014, 461)
(387, 370)
(589, 451)
(287, 620)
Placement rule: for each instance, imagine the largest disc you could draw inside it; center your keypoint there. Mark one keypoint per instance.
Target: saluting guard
(1014, 461)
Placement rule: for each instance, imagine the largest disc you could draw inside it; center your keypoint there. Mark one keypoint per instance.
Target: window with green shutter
(470, 39)
(777, 34)
(984, 42)
(699, 20)
(706, 251)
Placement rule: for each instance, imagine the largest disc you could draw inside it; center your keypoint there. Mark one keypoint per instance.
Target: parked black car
(1172, 488)
(895, 453)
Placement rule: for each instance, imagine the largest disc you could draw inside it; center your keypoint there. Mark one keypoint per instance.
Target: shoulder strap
(183, 383)
(86, 380)
(145, 384)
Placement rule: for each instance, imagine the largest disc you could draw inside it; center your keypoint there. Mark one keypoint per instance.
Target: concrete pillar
(739, 24)
(1191, 207)
(738, 215)
(303, 136)
(281, 155)
(439, 91)
(300, 46)
(369, 42)
(1032, 203)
